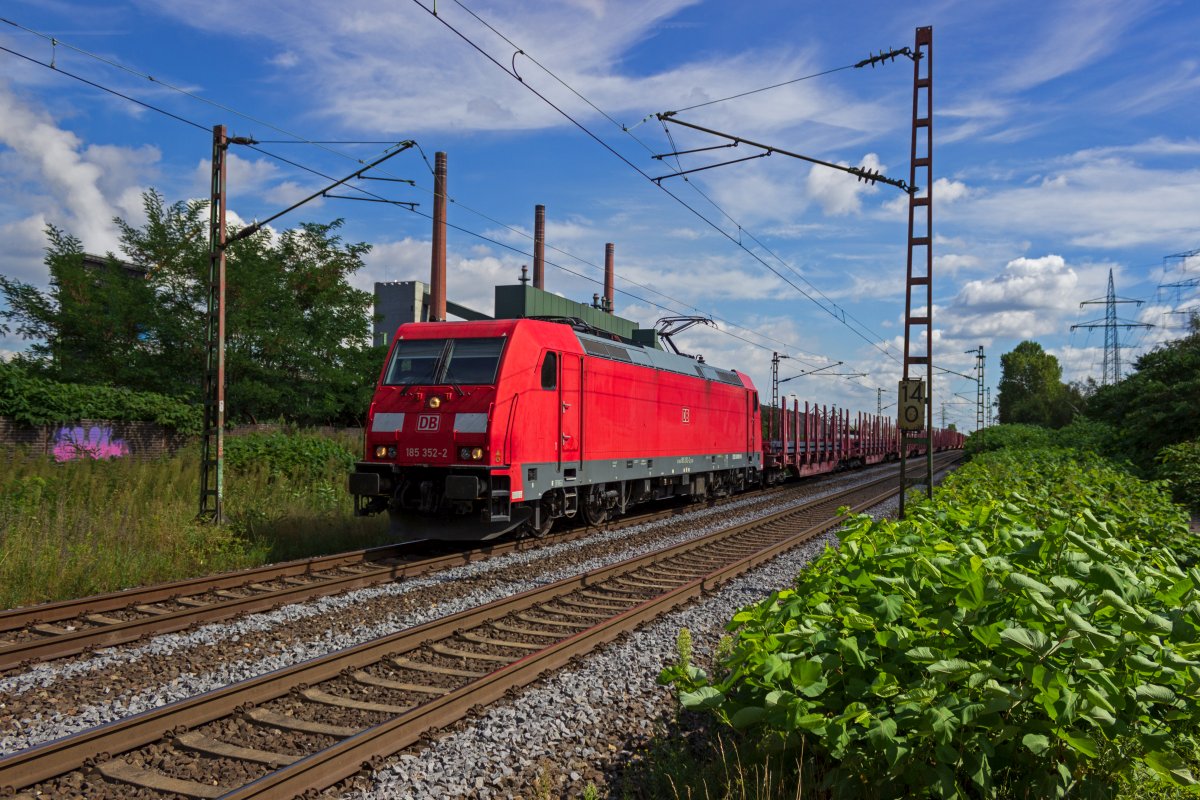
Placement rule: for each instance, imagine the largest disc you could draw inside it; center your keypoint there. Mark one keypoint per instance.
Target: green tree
(89, 327)
(1157, 405)
(1031, 390)
(297, 332)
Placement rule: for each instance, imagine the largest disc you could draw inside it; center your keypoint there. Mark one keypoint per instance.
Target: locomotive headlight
(381, 451)
(391, 452)
(477, 454)
(464, 453)
(435, 402)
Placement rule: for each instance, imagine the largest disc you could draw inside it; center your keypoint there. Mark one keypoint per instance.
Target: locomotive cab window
(415, 361)
(427, 362)
(472, 361)
(550, 371)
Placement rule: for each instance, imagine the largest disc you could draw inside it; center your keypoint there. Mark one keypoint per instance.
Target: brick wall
(92, 438)
(98, 438)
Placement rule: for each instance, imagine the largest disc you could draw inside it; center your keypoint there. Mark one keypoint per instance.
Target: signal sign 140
(911, 405)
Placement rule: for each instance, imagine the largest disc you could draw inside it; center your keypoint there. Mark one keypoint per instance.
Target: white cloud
(285, 60)
(1082, 32)
(1029, 297)
(947, 191)
(839, 193)
(76, 186)
(443, 83)
(1030, 282)
(952, 263)
(58, 157)
(1101, 203)
(23, 251)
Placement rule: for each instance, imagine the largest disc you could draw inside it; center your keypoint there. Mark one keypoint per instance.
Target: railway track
(307, 727)
(57, 630)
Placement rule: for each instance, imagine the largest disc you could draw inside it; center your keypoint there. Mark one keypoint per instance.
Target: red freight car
(478, 428)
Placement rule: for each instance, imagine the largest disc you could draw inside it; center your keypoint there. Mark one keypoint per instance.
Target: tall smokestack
(437, 270)
(608, 276)
(539, 247)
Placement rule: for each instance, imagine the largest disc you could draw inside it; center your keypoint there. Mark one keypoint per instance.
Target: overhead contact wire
(299, 139)
(512, 73)
(679, 166)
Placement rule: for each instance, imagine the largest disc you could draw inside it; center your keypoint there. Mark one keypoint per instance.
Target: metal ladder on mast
(920, 258)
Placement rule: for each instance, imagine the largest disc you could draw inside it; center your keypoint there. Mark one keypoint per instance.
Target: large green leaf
(1154, 693)
(951, 668)
(703, 698)
(882, 733)
(747, 716)
(1027, 639)
(1019, 580)
(1036, 742)
(1081, 743)
(888, 606)
(1171, 767)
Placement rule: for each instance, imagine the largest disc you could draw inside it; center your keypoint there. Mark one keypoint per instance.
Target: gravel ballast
(57, 699)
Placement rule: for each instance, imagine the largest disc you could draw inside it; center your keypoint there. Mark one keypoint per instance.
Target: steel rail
(60, 645)
(326, 767)
(42, 762)
(16, 618)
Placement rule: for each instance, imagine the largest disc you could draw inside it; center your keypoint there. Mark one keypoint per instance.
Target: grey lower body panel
(539, 478)
(464, 504)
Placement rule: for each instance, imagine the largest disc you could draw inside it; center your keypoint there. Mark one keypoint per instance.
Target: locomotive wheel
(594, 511)
(547, 523)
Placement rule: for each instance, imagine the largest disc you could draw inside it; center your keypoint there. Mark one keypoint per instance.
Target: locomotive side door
(570, 409)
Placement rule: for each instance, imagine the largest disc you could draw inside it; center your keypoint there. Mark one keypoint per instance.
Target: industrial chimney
(608, 277)
(539, 247)
(437, 270)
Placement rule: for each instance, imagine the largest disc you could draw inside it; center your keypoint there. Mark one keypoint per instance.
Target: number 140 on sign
(911, 405)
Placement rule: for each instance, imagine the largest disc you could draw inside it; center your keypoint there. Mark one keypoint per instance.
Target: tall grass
(85, 527)
(694, 761)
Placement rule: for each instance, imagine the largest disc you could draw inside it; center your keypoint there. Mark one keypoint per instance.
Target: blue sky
(1065, 145)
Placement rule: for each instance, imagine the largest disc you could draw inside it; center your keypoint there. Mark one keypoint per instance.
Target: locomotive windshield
(428, 362)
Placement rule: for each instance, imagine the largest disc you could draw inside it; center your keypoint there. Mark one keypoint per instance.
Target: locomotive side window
(550, 371)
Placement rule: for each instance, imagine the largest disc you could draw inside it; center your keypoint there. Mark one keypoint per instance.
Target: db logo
(428, 422)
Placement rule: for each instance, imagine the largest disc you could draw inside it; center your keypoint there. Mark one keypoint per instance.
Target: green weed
(86, 527)
(1037, 625)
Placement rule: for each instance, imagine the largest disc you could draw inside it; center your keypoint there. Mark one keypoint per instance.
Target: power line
(298, 139)
(513, 73)
(767, 88)
(881, 57)
(82, 79)
(372, 195)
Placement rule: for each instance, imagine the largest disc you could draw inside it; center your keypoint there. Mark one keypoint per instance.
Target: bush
(37, 401)
(1028, 628)
(299, 456)
(1087, 435)
(999, 437)
(1180, 465)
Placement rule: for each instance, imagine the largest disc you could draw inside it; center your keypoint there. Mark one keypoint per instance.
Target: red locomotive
(479, 428)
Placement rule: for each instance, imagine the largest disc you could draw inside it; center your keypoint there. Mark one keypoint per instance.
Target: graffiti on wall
(73, 444)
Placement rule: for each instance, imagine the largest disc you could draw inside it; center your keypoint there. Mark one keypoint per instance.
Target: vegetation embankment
(30, 400)
(1147, 419)
(84, 527)
(1032, 631)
